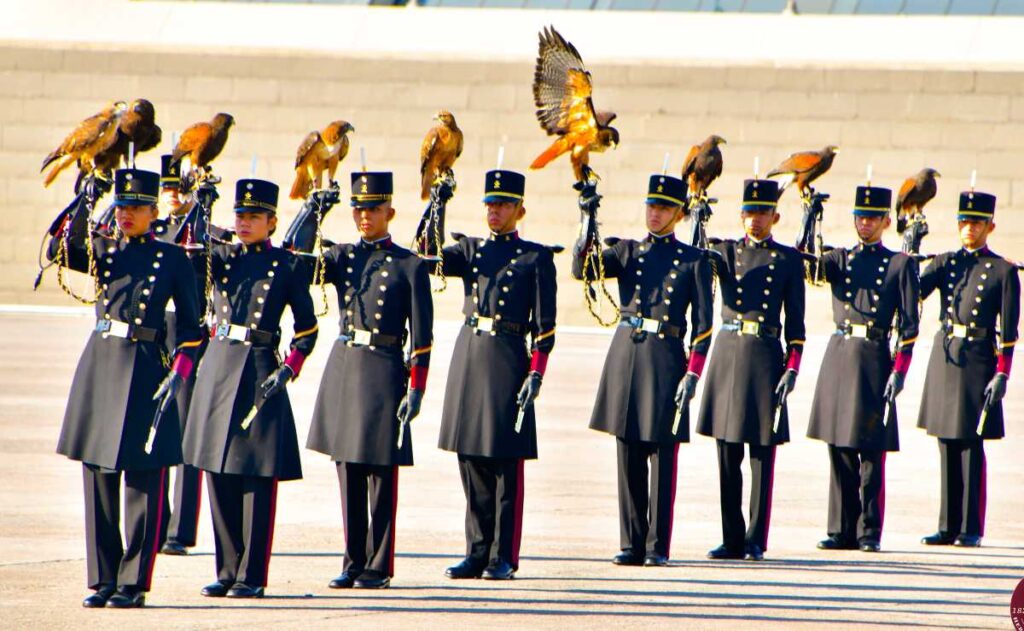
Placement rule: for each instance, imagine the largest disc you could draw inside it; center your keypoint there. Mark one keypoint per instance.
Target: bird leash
(429, 239)
(811, 238)
(592, 253)
(77, 218)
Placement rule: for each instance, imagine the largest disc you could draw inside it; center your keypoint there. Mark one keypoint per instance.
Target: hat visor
(254, 209)
(758, 208)
(865, 212)
(133, 202)
(498, 198)
(663, 201)
(372, 203)
(974, 215)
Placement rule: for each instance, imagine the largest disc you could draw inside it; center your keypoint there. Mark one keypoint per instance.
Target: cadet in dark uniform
(240, 428)
(859, 378)
(749, 375)
(368, 395)
(182, 518)
(495, 375)
(969, 366)
(648, 374)
(111, 406)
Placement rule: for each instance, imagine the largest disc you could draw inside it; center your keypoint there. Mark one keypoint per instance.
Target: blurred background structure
(898, 84)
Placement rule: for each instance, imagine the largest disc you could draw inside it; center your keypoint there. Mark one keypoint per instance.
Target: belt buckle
(103, 326)
(959, 330)
(117, 329)
(858, 330)
(361, 337)
(236, 332)
(484, 324)
(748, 327)
(648, 325)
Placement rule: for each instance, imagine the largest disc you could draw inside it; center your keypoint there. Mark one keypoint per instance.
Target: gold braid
(320, 267)
(63, 262)
(435, 216)
(589, 265)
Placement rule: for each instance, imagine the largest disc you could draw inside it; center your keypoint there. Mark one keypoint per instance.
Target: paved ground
(570, 529)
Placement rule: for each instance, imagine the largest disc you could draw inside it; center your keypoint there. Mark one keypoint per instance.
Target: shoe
(467, 568)
(99, 598)
(241, 590)
(869, 545)
(968, 541)
(628, 557)
(655, 560)
(939, 539)
(372, 580)
(174, 548)
(498, 570)
(754, 552)
(127, 598)
(345, 580)
(215, 590)
(835, 543)
(724, 552)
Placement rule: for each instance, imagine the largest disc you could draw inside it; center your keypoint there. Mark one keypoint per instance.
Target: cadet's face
(870, 229)
(758, 225)
(503, 216)
(254, 227)
(170, 201)
(133, 221)
(662, 218)
(974, 232)
(372, 223)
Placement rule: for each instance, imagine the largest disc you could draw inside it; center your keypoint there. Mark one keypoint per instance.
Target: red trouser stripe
(672, 500)
(517, 533)
(982, 496)
(394, 520)
(156, 530)
(768, 500)
(270, 531)
(881, 499)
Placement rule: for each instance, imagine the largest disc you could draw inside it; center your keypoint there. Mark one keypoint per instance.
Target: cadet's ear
(272, 223)
(991, 227)
(887, 222)
(153, 211)
(521, 212)
(391, 213)
(776, 218)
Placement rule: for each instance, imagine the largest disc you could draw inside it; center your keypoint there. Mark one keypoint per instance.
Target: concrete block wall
(898, 120)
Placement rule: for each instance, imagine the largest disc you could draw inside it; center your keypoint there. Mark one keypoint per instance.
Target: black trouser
(645, 526)
(243, 509)
(494, 508)
(856, 497)
(369, 534)
(735, 534)
(184, 512)
(109, 563)
(963, 487)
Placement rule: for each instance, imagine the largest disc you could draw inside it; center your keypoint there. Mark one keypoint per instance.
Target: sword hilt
(519, 419)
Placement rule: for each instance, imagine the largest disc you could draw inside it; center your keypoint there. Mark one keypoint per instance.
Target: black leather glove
(442, 191)
(168, 387)
(894, 386)
(531, 388)
(687, 388)
(276, 381)
(327, 197)
(409, 408)
(786, 385)
(996, 389)
(589, 199)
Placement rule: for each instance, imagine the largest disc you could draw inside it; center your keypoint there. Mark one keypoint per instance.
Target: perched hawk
(803, 168)
(562, 91)
(914, 194)
(703, 166)
(91, 137)
(319, 152)
(203, 142)
(138, 126)
(441, 147)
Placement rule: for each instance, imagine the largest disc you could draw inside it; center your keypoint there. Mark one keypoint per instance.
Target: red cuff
(1003, 363)
(418, 378)
(182, 365)
(795, 355)
(539, 362)
(902, 364)
(696, 365)
(294, 361)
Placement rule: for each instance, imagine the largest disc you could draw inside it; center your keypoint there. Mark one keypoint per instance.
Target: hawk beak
(937, 174)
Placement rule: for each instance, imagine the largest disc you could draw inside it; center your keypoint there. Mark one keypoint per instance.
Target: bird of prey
(915, 193)
(138, 127)
(803, 168)
(562, 90)
(320, 151)
(335, 136)
(441, 147)
(203, 142)
(91, 137)
(703, 166)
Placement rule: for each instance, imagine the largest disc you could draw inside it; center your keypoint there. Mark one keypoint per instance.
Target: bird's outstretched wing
(562, 87)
